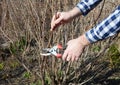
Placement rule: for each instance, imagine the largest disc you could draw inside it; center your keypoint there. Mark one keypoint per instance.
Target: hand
(64, 17)
(60, 18)
(75, 48)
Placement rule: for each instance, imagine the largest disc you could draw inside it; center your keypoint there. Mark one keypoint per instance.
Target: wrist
(83, 40)
(75, 12)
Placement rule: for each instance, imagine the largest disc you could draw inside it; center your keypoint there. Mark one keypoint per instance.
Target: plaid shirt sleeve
(86, 5)
(105, 29)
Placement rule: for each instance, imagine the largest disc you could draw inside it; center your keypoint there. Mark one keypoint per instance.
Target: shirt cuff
(86, 6)
(83, 8)
(90, 35)
(108, 27)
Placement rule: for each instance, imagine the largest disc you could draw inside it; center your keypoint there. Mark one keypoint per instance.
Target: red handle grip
(59, 55)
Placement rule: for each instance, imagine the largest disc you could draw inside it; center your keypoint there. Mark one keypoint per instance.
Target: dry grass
(25, 24)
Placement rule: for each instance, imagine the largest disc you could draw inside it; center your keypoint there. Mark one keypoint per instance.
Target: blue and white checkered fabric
(86, 5)
(105, 29)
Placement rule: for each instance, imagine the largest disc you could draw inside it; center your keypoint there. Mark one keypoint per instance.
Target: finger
(73, 58)
(57, 25)
(64, 55)
(76, 58)
(59, 20)
(69, 42)
(55, 21)
(68, 57)
(58, 14)
(52, 22)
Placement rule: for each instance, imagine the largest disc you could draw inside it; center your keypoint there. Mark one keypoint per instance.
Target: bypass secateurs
(56, 50)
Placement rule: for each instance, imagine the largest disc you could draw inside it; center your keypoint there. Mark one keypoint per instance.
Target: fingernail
(51, 29)
(76, 59)
(68, 59)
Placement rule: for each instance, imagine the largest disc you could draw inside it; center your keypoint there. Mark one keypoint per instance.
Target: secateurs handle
(60, 51)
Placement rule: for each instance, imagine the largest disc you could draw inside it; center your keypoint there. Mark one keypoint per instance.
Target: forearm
(105, 29)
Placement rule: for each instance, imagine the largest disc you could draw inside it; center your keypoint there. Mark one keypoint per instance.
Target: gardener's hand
(60, 18)
(75, 48)
(64, 17)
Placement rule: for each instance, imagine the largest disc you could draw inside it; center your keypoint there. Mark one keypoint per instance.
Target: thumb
(58, 21)
(53, 21)
(59, 18)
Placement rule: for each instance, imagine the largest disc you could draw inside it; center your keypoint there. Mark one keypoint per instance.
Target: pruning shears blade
(55, 50)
